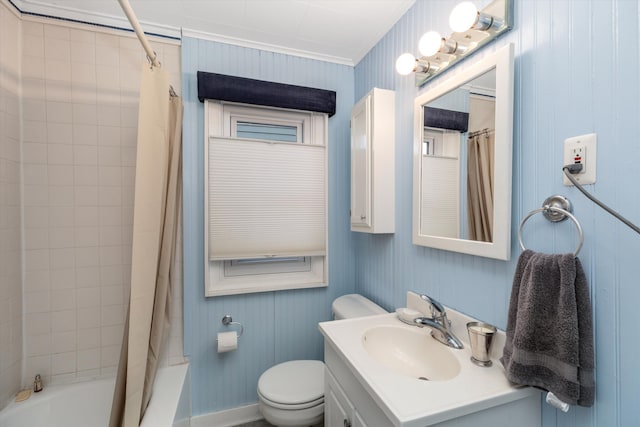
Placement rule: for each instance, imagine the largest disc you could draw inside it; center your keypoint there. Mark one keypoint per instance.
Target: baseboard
(229, 417)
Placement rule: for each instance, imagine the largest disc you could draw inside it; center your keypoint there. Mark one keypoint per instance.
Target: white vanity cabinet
(373, 163)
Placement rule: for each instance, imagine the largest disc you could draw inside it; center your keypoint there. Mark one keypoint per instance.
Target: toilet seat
(289, 406)
(297, 383)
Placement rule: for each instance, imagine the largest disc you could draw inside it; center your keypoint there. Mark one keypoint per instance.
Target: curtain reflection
(480, 185)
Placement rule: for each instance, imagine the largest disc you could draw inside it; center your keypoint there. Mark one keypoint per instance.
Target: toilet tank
(354, 305)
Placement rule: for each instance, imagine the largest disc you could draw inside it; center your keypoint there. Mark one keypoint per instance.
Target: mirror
(462, 160)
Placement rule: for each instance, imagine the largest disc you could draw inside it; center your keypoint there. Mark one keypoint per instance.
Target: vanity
(382, 372)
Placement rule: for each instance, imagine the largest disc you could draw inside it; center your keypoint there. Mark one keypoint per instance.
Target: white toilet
(291, 394)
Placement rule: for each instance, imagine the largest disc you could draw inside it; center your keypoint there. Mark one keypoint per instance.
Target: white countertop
(412, 402)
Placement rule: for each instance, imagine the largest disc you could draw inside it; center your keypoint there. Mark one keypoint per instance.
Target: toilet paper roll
(227, 341)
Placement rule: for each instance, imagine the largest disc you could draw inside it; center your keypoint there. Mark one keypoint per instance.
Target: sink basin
(411, 352)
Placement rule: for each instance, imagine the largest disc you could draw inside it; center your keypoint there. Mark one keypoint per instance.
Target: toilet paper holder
(228, 320)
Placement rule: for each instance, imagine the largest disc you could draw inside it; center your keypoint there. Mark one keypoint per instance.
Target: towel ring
(554, 213)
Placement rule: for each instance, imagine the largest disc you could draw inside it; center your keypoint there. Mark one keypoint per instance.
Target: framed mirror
(463, 138)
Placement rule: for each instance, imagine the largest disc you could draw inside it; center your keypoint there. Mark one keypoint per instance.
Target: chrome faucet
(438, 322)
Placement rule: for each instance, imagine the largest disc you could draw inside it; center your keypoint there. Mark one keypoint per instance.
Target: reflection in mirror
(458, 148)
(462, 160)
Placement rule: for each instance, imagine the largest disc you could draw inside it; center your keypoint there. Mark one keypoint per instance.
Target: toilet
(291, 394)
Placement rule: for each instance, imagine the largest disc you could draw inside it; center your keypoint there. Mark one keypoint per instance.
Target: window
(265, 199)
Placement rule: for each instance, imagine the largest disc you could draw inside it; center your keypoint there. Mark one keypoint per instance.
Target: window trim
(219, 118)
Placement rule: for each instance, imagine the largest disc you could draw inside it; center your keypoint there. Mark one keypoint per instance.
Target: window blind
(266, 199)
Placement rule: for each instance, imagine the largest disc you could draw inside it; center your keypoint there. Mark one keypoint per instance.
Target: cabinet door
(335, 415)
(361, 163)
(357, 420)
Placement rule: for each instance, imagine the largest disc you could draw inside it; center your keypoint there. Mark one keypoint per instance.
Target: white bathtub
(88, 404)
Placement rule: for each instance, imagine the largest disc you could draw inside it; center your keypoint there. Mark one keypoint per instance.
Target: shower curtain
(480, 186)
(155, 227)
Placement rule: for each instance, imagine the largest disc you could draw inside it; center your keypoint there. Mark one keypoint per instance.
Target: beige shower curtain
(155, 227)
(480, 186)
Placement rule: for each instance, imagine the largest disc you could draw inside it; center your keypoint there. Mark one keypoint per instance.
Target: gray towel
(549, 329)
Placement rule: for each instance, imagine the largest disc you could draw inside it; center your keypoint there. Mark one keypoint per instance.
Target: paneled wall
(577, 67)
(10, 211)
(80, 106)
(278, 326)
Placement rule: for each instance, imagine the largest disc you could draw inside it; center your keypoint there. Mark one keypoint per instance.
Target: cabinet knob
(363, 216)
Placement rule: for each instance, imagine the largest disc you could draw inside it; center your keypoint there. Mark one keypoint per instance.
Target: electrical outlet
(581, 150)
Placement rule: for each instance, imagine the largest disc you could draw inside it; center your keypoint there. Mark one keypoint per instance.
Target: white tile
(109, 136)
(128, 136)
(38, 365)
(57, 49)
(63, 299)
(63, 321)
(86, 114)
(34, 110)
(82, 94)
(59, 112)
(63, 363)
(38, 324)
(109, 356)
(111, 236)
(112, 335)
(87, 257)
(87, 216)
(37, 259)
(108, 115)
(61, 216)
(85, 134)
(36, 302)
(61, 196)
(88, 338)
(35, 174)
(33, 89)
(62, 258)
(109, 196)
(61, 154)
(56, 32)
(128, 156)
(36, 216)
(87, 277)
(87, 236)
(33, 67)
(107, 77)
(61, 237)
(82, 36)
(38, 345)
(59, 133)
(36, 281)
(59, 90)
(110, 215)
(57, 172)
(36, 195)
(85, 155)
(63, 279)
(62, 342)
(33, 28)
(34, 153)
(110, 176)
(88, 359)
(58, 70)
(111, 275)
(128, 176)
(88, 297)
(36, 238)
(83, 73)
(83, 52)
(86, 196)
(110, 255)
(34, 131)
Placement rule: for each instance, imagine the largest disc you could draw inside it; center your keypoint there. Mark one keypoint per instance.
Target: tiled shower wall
(10, 223)
(80, 107)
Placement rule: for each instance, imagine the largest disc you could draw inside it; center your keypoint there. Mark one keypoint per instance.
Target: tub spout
(37, 384)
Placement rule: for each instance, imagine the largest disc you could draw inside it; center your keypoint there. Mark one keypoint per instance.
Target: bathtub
(88, 404)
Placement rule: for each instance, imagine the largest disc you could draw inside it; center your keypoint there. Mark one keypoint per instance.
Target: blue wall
(577, 71)
(278, 326)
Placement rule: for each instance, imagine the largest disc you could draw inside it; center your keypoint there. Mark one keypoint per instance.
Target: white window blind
(266, 199)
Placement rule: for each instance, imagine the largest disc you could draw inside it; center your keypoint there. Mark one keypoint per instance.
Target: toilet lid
(293, 383)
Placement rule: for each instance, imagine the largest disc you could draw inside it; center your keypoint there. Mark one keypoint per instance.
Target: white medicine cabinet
(373, 163)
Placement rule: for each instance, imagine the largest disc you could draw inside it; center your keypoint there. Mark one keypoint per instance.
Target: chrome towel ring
(555, 209)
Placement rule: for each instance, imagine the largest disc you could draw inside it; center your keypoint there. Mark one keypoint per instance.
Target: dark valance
(260, 92)
(446, 119)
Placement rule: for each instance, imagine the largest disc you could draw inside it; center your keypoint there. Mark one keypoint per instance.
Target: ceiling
(340, 31)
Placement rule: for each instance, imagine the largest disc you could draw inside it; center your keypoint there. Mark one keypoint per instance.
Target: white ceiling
(340, 31)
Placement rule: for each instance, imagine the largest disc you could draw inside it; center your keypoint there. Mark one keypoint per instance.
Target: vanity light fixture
(471, 30)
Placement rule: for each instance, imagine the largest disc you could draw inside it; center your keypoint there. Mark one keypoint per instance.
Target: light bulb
(463, 17)
(405, 64)
(430, 43)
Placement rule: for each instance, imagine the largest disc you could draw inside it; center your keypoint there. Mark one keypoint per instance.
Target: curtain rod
(131, 16)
